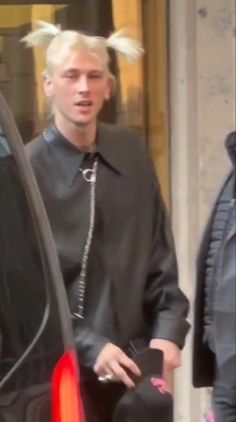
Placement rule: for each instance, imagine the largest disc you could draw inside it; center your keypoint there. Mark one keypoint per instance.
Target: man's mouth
(84, 103)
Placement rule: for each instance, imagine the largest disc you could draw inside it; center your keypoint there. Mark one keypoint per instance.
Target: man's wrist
(155, 342)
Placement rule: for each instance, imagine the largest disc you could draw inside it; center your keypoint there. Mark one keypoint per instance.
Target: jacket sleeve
(88, 343)
(165, 304)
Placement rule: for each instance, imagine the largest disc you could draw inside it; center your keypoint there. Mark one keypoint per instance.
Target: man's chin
(84, 123)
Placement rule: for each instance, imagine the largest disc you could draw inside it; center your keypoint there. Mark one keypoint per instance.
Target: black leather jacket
(204, 360)
(139, 295)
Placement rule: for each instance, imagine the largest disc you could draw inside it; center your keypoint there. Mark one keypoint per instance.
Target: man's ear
(48, 86)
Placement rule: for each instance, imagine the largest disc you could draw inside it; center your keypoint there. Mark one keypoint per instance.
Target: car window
(25, 303)
(4, 148)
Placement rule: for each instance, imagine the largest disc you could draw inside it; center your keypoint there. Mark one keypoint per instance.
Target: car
(39, 375)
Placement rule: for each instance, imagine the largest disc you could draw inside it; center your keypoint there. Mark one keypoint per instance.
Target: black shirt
(132, 284)
(68, 205)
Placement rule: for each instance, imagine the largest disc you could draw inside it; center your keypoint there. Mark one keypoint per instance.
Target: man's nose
(82, 85)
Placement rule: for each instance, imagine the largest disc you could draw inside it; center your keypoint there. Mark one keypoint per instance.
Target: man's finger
(129, 363)
(120, 374)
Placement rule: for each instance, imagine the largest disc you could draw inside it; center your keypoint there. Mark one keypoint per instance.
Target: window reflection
(23, 295)
(4, 148)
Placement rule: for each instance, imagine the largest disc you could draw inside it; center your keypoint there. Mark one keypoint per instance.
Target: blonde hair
(55, 40)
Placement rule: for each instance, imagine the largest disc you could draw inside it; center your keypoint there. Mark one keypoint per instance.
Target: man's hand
(172, 356)
(113, 361)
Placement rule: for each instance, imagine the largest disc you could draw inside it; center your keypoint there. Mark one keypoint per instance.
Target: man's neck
(83, 137)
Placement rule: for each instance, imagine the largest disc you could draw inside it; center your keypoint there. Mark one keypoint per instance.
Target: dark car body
(38, 367)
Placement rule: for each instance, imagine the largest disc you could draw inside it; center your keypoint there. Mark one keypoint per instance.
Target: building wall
(202, 79)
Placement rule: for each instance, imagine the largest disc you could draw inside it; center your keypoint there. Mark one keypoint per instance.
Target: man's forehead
(83, 60)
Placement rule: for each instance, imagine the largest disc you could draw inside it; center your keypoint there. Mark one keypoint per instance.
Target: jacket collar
(230, 144)
(111, 147)
(66, 154)
(70, 158)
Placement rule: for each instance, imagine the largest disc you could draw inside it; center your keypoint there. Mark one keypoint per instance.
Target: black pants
(224, 402)
(99, 400)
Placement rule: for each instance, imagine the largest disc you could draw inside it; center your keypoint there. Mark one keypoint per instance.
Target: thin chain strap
(83, 273)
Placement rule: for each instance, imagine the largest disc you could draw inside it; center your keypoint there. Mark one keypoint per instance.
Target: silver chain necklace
(89, 175)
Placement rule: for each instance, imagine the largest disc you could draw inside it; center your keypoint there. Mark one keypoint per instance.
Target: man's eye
(96, 75)
(70, 76)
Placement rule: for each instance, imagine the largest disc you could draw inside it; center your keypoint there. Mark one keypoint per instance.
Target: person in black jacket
(109, 222)
(214, 362)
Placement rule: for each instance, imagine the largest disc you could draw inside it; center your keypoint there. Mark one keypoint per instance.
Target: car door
(39, 379)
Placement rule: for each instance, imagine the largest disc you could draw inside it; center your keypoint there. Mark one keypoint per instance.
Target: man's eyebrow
(71, 69)
(76, 70)
(99, 72)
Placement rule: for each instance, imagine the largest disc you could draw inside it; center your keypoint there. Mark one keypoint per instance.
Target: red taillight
(67, 405)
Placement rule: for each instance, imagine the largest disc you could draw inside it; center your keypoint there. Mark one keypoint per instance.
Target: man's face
(78, 88)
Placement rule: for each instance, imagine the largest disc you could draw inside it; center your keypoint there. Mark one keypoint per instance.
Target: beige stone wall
(216, 93)
(202, 75)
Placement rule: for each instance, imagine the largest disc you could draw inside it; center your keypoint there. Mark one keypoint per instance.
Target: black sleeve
(88, 343)
(165, 303)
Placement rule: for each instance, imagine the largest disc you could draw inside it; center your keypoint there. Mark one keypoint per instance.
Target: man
(215, 314)
(109, 222)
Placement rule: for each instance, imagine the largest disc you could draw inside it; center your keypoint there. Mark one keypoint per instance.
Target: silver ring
(106, 378)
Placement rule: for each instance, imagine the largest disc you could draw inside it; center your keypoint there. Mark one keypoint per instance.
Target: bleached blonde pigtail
(43, 35)
(128, 47)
